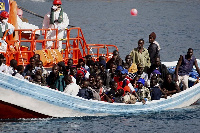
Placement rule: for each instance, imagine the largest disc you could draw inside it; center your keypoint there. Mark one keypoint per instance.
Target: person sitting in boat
(103, 73)
(3, 67)
(56, 19)
(85, 92)
(169, 86)
(39, 63)
(153, 48)
(30, 69)
(140, 72)
(39, 71)
(80, 65)
(110, 74)
(13, 66)
(38, 80)
(115, 58)
(143, 92)
(4, 25)
(156, 91)
(62, 68)
(20, 70)
(141, 55)
(160, 67)
(71, 87)
(123, 81)
(72, 73)
(184, 67)
(56, 79)
(70, 63)
(80, 77)
(92, 80)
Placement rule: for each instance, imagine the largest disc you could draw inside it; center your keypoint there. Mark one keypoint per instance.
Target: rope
(28, 11)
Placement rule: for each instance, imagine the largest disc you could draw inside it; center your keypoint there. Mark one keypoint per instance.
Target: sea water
(176, 24)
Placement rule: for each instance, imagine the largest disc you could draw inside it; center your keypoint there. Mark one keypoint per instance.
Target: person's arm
(197, 68)
(177, 67)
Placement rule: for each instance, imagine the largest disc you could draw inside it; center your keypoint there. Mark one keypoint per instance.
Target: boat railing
(74, 45)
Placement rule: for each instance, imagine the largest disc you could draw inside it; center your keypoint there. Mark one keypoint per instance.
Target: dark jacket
(153, 52)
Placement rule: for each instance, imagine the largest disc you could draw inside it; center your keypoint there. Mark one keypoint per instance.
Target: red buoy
(134, 12)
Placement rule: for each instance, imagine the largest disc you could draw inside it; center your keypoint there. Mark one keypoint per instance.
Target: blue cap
(119, 68)
(156, 72)
(142, 81)
(125, 71)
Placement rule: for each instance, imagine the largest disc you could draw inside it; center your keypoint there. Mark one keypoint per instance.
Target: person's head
(20, 13)
(102, 58)
(88, 57)
(96, 66)
(68, 79)
(190, 52)
(140, 68)
(32, 61)
(152, 37)
(62, 67)
(156, 72)
(81, 62)
(92, 78)
(168, 78)
(38, 78)
(140, 83)
(56, 4)
(140, 43)
(4, 17)
(113, 85)
(70, 62)
(55, 69)
(126, 66)
(153, 82)
(115, 53)
(20, 69)
(37, 57)
(80, 74)
(73, 71)
(128, 59)
(13, 63)
(39, 63)
(99, 84)
(102, 66)
(98, 78)
(157, 61)
(113, 67)
(38, 70)
(119, 92)
(123, 74)
(1, 59)
(85, 84)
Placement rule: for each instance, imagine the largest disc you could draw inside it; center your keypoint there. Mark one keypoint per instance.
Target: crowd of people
(139, 77)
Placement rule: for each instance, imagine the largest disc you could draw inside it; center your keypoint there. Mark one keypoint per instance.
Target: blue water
(176, 23)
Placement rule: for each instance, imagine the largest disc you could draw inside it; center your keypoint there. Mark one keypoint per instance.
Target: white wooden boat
(22, 99)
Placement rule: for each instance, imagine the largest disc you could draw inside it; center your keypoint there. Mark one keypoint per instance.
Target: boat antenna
(28, 11)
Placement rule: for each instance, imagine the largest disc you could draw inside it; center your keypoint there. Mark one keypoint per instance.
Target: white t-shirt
(72, 89)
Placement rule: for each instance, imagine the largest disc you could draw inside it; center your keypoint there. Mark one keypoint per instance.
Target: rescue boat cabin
(24, 43)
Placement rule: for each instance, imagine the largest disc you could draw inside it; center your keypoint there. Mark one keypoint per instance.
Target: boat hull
(41, 101)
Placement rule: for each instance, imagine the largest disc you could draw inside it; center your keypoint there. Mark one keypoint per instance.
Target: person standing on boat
(153, 48)
(56, 19)
(4, 25)
(184, 67)
(141, 55)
